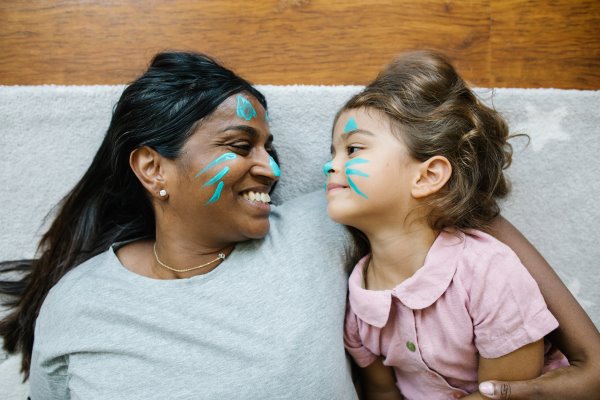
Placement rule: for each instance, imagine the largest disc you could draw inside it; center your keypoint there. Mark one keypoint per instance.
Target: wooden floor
(506, 43)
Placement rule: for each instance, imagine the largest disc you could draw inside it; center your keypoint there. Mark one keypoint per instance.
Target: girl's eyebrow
(355, 131)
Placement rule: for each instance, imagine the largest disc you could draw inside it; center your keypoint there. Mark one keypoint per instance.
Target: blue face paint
(267, 116)
(274, 167)
(220, 159)
(351, 171)
(327, 167)
(350, 125)
(356, 161)
(217, 177)
(244, 108)
(217, 193)
(353, 186)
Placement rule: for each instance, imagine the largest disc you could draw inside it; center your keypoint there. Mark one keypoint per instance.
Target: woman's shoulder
(306, 217)
(80, 279)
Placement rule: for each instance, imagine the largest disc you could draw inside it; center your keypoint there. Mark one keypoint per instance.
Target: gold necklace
(221, 256)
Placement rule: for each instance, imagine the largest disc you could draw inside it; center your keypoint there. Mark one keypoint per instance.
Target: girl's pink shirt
(471, 298)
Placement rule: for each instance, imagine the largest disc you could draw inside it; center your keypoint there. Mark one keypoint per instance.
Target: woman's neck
(173, 251)
(396, 254)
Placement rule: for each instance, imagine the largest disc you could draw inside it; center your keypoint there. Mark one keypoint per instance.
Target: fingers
(495, 390)
(508, 390)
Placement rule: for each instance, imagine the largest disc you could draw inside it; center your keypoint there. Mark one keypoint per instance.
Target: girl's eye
(352, 149)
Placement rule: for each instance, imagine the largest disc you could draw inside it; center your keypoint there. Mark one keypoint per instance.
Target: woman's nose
(266, 166)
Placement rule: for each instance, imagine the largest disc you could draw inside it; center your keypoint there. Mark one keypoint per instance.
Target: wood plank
(536, 42)
(292, 41)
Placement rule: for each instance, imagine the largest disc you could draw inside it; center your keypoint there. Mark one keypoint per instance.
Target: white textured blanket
(50, 133)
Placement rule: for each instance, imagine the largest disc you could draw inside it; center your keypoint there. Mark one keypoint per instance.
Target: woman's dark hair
(434, 112)
(160, 110)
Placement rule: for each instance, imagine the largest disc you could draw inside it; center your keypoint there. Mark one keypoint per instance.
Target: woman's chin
(258, 231)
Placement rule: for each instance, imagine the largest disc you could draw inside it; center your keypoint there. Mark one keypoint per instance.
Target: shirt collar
(417, 292)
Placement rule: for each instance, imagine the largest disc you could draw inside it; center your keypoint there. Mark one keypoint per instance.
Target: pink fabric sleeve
(505, 303)
(353, 342)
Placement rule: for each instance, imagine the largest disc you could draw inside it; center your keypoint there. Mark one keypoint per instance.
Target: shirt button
(411, 346)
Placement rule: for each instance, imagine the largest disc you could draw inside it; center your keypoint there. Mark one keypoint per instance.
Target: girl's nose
(328, 168)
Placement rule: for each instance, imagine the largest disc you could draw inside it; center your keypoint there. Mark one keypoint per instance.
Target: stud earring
(162, 193)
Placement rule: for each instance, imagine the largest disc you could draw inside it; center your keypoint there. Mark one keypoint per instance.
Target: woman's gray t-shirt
(266, 324)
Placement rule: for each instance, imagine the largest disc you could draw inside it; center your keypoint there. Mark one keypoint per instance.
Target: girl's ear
(146, 165)
(432, 176)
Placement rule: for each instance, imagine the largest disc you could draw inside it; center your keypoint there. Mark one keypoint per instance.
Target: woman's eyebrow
(252, 132)
(244, 128)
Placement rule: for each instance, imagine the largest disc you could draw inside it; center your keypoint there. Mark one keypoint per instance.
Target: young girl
(417, 170)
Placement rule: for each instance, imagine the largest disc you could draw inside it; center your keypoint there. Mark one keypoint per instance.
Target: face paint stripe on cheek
(274, 167)
(217, 194)
(218, 160)
(222, 158)
(217, 177)
(244, 108)
(355, 188)
(356, 172)
(356, 161)
(351, 171)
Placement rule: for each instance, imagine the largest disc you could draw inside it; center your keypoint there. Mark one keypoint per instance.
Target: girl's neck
(396, 254)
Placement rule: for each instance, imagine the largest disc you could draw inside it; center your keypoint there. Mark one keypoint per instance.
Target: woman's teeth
(257, 196)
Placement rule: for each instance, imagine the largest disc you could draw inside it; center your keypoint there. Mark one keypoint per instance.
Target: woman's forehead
(238, 110)
(242, 106)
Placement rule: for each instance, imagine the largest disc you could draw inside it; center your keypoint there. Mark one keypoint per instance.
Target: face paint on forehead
(351, 171)
(244, 108)
(350, 125)
(217, 178)
(274, 167)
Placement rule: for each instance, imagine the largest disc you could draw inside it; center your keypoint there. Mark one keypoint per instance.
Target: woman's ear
(432, 176)
(146, 165)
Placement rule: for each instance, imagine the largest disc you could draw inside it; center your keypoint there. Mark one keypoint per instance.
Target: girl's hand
(378, 382)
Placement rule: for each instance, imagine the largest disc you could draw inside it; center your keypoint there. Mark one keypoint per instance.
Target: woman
(187, 284)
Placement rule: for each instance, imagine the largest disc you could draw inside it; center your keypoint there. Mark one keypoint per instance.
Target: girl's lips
(334, 186)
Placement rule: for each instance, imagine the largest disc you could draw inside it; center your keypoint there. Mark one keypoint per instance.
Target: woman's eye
(241, 146)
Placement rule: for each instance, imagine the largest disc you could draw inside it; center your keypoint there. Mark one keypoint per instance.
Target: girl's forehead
(367, 119)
